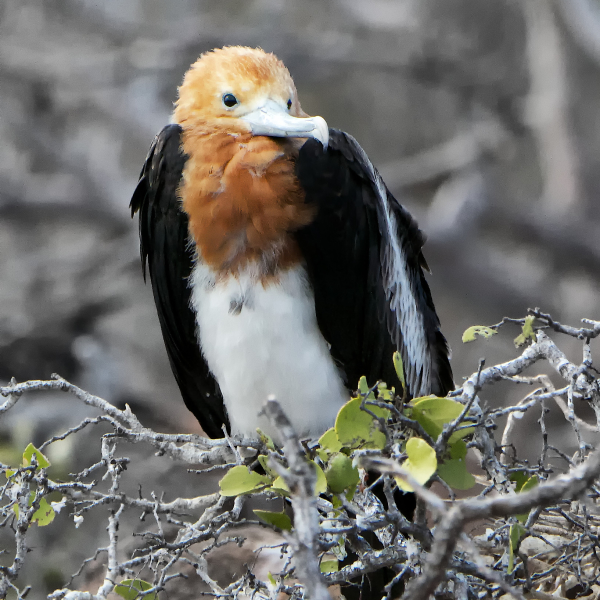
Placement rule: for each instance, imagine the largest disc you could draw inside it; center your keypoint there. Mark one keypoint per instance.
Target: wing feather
(364, 259)
(166, 252)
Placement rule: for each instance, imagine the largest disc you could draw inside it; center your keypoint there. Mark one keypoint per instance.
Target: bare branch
(301, 480)
(421, 557)
(565, 487)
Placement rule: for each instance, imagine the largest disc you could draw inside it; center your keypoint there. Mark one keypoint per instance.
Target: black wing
(165, 249)
(364, 260)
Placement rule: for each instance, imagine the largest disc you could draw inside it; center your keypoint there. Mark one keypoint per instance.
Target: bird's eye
(289, 104)
(229, 100)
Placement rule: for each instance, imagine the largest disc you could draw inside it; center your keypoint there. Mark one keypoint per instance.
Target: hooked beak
(272, 120)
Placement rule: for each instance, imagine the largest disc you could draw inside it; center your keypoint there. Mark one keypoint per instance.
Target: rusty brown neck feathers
(243, 200)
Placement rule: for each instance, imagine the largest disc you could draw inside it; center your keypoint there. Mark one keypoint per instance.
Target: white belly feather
(264, 341)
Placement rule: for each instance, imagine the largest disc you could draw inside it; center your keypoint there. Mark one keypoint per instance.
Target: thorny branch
(555, 551)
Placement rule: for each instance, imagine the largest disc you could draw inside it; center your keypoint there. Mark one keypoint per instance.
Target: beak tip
(321, 131)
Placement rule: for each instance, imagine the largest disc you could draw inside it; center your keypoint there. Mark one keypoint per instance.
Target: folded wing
(166, 251)
(363, 255)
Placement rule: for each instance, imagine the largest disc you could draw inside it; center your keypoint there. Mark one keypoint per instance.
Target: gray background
(481, 115)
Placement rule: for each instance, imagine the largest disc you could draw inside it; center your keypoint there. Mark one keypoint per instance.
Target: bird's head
(244, 90)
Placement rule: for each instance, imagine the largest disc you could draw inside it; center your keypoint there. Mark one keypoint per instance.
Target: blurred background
(483, 118)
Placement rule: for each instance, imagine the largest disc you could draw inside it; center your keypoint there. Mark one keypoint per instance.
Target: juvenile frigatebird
(280, 263)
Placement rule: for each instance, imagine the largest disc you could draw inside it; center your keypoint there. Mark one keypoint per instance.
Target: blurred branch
(582, 18)
(458, 153)
(548, 107)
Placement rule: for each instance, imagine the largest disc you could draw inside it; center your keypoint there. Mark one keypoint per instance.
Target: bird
(281, 265)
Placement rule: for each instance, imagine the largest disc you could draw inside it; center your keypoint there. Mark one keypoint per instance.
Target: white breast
(261, 341)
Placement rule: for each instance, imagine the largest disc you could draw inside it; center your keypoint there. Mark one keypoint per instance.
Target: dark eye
(289, 104)
(229, 100)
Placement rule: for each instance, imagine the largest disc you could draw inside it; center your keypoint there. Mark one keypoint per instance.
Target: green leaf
(265, 439)
(329, 566)
(330, 442)
(130, 589)
(363, 388)
(517, 531)
(321, 483)
(421, 463)
(481, 330)
(322, 454)
(341, 474)
(356, 428)
(528, 485)
(421, 398)
(277, 519)
(458, 449)
(433, 413)
(271, 579)
(519, 477)
(457, 435)
(384, 394)
(41, 460)
(336, 502)
(44, 515)
(527, 331)
(399, 366)
(239, 480)
(532, 482)
(454, 472)
(264, 463)
(351, 491)
(280, 486)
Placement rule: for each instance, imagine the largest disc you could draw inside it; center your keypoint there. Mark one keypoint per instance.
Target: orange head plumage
(239, 111)
(248, 74)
